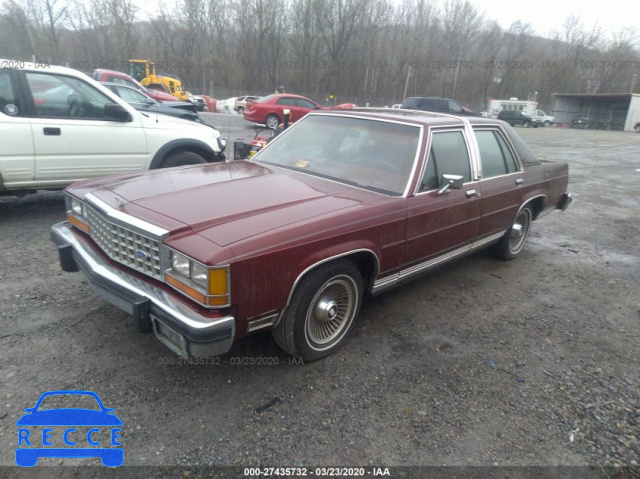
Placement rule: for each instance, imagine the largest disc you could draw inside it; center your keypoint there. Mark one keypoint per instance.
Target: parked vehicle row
(58, 126)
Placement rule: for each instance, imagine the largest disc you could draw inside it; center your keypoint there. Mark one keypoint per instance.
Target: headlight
(180, 264)
(77, 207)
(209, 285)
(77, 213)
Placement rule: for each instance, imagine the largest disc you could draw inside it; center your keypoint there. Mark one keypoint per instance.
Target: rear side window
(495, 156)
(8, 100)
(449, 155)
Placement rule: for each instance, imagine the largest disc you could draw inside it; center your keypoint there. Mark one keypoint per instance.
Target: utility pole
(406, 84)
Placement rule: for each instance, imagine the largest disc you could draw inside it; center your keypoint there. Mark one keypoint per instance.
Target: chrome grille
(125, 246)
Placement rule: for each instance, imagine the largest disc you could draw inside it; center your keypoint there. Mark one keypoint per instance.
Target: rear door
(502, 182)
(439, 224)
(17, 160)
(73, 140)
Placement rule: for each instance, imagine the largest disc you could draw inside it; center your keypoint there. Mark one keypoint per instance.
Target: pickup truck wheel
(547, 124)
(272, 121)
(322, 311)
(182, 158)
(516, 236)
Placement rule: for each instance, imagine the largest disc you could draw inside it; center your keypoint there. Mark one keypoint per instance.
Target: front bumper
(179, 327)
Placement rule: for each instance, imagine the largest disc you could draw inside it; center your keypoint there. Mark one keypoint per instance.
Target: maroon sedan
(269, 110)
(342, 205)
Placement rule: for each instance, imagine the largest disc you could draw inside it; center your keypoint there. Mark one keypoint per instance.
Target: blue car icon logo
(63, 432)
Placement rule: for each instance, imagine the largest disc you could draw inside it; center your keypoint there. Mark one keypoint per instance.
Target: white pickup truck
(58, 126)
(545, 119)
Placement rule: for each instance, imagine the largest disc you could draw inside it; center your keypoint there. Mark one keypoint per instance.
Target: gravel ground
(532, 362)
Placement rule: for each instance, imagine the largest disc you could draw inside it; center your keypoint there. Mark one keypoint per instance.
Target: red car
(268, 110)
(343, 205)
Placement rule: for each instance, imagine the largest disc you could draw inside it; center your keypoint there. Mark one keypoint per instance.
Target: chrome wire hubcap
(331, 310)
(519, 231)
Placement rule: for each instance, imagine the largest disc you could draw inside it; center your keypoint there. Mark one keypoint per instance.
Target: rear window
(265, 99)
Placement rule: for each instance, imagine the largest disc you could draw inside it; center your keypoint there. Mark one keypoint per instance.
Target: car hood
(226, 202)
(153, 120)
(69, 417)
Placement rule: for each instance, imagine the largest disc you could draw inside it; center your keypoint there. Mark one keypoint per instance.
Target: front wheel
(182, 158)
(322, 311)
(272, 121)
(513, 241)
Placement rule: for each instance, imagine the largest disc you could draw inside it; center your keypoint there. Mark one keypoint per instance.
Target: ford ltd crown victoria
(340, 206)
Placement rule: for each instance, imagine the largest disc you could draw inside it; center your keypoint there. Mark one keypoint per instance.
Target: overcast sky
(547, 15)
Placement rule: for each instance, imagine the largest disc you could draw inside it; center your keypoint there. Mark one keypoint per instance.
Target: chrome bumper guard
(179, 327)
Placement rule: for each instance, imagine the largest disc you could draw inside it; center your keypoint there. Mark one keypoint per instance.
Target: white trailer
(527, 107)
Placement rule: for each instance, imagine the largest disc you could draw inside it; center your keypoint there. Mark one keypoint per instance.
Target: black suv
(437, 104)
(514, 117)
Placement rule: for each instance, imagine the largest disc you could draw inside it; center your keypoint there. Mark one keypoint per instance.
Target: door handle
(470, 193)
(519, 181)
(48, 131)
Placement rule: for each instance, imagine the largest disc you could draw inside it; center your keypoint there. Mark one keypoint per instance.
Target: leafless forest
(363, 51)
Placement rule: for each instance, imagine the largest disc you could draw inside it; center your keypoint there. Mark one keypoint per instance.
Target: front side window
(131, 96)
(306, 104)
(59, 96)
(453, 106)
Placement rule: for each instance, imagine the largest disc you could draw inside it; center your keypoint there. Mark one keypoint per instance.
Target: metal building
(606, 111)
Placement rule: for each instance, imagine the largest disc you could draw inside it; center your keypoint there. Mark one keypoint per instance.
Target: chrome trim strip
(391, 280)
(125, 218)
(261, 323)
(163, 300)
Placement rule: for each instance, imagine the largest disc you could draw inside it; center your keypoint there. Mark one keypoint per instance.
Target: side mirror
(451, 181)
(113, 111)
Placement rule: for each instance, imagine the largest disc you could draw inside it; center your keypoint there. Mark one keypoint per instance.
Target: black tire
(547, 124)
(272, 121)
(241, 110)
(513, 241)
(322, 311)
(526, 124)
(182, 158)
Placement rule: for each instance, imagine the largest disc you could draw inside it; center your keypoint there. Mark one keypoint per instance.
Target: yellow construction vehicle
(145, 72)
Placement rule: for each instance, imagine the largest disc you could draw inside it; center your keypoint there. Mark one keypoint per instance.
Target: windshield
(371, 154)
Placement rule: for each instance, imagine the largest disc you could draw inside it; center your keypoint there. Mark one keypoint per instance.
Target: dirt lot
(529, 362)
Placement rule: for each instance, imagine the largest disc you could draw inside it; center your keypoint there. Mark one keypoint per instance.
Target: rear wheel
(547, 124)
(526, 124)
(513, 241)
(241, 110)
(322, 311)
(272, 121)
(182, 158)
